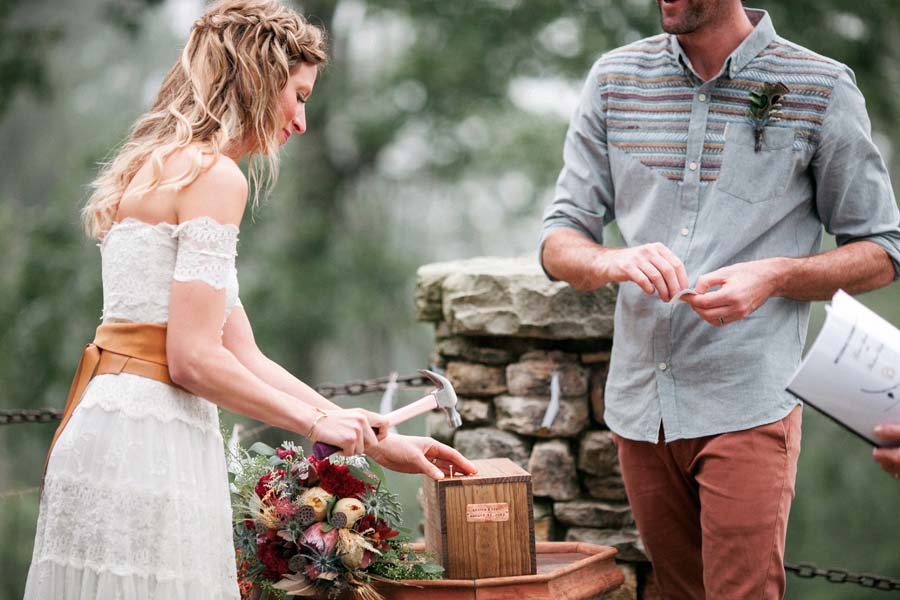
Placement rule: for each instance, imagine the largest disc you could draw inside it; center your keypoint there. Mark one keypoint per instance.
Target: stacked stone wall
(502, 330)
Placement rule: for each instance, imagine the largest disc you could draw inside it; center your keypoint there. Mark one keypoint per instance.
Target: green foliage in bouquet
(399, 562)
(317, 527)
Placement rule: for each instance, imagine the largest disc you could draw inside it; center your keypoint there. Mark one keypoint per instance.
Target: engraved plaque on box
(483, 525)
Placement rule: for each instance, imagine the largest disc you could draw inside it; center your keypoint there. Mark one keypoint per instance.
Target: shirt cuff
(890, 243)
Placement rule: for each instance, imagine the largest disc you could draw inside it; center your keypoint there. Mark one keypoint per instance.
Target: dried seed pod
(338, 519)
(318, 499)
(306, 515)
(351, 508)
(296, 563)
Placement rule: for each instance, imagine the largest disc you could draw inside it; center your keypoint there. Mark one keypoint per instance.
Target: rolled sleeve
(584, 194)
(854, 196)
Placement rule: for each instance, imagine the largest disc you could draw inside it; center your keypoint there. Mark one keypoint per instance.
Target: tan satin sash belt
(137, 348)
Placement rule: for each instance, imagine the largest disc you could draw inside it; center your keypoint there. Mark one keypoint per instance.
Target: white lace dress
(136, 503)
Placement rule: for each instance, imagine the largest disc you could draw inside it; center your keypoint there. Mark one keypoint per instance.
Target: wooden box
(482, 525)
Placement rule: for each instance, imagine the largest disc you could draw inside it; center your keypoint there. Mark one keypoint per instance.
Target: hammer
(443, 397)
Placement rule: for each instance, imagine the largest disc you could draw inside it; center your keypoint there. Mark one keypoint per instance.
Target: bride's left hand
(414, 454)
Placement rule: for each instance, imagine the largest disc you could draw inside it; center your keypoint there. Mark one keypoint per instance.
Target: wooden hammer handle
(413, 409)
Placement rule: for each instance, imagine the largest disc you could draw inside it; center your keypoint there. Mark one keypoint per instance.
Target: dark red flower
(284, 454)
(265, 482)
(382, 531)
(274, 553)
(337, 480)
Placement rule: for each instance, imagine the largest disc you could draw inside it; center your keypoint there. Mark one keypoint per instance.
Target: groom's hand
(743, 287)
(414, 454)
(653, 267)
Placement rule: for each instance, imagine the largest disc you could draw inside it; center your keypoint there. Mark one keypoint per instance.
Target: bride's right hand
(352, 430)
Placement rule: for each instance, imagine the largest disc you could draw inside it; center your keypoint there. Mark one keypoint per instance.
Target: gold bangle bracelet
(322, 414)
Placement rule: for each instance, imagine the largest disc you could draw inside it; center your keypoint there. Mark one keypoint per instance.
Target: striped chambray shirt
(671, 158)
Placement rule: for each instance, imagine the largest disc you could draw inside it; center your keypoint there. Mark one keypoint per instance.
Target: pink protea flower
(324, 542)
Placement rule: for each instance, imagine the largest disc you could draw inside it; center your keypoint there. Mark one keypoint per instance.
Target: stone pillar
(502, 330)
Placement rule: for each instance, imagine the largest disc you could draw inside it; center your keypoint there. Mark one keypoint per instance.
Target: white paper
(852, 371)
(685, 292)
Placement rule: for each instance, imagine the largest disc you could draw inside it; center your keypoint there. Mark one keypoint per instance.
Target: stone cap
(511, 297)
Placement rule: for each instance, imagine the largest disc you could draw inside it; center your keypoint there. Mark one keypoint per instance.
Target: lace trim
(138, 397)
(131, 223)
(169, 229)
(206, 251)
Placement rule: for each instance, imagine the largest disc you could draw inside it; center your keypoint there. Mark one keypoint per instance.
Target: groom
(664, 142)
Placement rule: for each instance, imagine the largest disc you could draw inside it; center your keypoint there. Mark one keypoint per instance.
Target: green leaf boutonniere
(765, 108)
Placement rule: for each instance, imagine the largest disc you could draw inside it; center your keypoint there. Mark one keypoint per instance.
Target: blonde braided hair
(223, 90)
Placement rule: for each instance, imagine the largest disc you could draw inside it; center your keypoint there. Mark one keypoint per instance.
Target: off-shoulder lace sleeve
(206, 251)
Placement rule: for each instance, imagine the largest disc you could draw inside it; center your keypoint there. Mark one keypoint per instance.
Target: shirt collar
(762, 35)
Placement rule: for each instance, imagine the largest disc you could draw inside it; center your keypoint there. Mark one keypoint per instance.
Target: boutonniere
(765, 108)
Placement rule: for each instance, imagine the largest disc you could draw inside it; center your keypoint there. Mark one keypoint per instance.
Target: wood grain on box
(482, 526)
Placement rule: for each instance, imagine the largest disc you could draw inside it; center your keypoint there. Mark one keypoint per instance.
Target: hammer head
(444, 395)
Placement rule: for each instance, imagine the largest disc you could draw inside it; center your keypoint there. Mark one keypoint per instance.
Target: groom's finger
(667, 270)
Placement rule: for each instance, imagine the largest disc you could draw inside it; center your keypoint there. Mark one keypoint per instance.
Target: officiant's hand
(888, 458)
(744, 288)
(414, 454)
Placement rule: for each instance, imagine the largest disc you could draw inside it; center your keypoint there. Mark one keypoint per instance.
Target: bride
(135, 502)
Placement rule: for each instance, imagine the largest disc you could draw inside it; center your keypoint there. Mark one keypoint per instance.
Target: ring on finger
(721, 321)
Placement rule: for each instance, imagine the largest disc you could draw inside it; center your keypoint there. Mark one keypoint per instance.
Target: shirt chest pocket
(755, 176)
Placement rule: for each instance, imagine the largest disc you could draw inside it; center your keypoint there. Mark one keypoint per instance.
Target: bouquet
(317, 527)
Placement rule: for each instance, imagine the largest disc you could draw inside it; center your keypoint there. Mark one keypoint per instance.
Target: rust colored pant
(713, 511)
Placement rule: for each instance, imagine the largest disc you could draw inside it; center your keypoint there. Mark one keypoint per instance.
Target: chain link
(867, 580)
(366, 386)
(329, 390)
(16, 493)
(41, 415)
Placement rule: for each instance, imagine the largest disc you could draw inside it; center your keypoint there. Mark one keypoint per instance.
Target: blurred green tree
(435, 133)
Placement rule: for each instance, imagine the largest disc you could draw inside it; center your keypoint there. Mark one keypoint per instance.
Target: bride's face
(292, 100)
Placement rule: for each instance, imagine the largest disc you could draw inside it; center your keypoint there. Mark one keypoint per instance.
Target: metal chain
(22, 492)
(867, 580)
(329, 390)
(365, 386)
(41, 415)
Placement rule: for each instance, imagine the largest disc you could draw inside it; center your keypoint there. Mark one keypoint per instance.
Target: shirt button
(702, 97)
(663, 366)
(685, 231)
(692, 166)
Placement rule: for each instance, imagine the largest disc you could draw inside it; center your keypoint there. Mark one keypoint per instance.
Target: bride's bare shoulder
(219, 191)
(212, 180)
